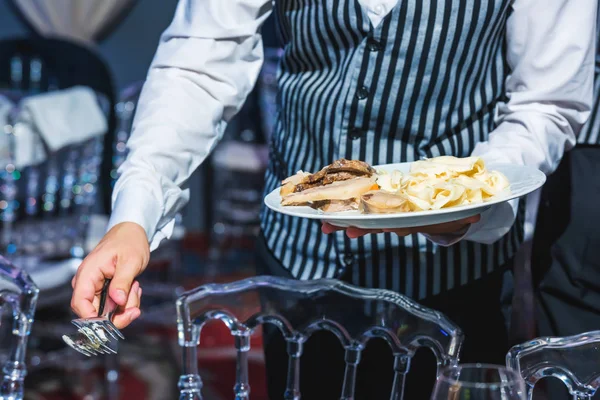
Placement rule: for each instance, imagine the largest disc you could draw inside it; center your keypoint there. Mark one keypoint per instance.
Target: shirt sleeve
(550, 53)
(207, 62)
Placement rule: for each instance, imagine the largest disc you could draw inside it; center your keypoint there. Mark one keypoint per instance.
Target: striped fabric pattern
(423, 83)
(590, 133)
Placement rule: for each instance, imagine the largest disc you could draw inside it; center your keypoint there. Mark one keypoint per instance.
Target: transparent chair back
(575, 360)
(299, 308)
(19, 293)
(47, 206)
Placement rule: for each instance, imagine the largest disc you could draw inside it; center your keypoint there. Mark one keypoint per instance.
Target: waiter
(566, 252)
(376, 80)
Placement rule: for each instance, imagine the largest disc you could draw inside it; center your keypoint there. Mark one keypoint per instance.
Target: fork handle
(103, 295)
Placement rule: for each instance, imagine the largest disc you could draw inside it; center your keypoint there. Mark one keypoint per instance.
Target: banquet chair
(50, 242)
(29, 66)
(19, 293)
(61, 64)
(298, 309)
(575, 360)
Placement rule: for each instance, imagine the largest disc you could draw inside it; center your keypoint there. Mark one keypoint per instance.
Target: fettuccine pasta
(444, 182)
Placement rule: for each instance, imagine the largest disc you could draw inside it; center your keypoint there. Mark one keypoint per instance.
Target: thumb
(125, 274)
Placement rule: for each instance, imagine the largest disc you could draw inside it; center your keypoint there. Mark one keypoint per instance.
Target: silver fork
(93, 336)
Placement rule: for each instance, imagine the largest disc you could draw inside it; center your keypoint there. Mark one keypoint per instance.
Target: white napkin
(29, 148)
(66, 117)
(56, 119)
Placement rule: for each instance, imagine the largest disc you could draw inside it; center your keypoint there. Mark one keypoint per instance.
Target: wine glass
(479, 382)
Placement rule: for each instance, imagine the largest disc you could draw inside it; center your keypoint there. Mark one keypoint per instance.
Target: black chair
(65, 64)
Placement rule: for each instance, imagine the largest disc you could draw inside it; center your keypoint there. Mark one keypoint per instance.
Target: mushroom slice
(381, 202)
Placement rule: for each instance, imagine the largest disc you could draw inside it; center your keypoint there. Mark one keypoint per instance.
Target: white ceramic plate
(523, 180)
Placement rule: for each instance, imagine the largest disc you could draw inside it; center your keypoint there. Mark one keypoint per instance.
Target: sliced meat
(316, 178)
(353, 166)
(289, 185)
(339, 170)
(380, 202)
(338, 176)
(326, 180)
(342, 190)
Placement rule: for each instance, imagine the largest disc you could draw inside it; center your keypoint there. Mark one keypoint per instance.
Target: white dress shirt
(209, 59)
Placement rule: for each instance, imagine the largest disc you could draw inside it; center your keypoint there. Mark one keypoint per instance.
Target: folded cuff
(494, 223)
(136, 205)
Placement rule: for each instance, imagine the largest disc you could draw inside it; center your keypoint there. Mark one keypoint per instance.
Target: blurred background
(70, 75)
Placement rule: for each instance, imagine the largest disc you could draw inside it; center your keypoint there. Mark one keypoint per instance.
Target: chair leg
(242, 384)
(292, 391)
(190, 383)
(352, 359)
(189, 387)
(15, 369)
(401, 366)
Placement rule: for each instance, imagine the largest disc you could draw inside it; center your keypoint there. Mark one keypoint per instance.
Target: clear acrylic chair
(575, 360)
(18, 292)
(299, 308)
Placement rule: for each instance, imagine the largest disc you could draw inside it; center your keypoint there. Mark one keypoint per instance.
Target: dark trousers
(566, 252)
(480, 309)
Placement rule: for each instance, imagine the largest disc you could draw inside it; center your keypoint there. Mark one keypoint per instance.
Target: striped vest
(423, 83)
(590, 133)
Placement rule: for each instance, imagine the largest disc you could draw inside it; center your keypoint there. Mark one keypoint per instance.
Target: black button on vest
(362, 93)
(373, 45)
(348, 259)
(355, 133)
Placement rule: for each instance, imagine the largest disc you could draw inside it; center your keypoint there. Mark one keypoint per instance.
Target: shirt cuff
(493, 225)
(132, 204)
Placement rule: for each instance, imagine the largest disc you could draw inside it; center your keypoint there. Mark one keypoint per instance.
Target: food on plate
(444, 182)
(288, 186)
(431, 184)
(390, 182)
(341, 190)
(336, 205)
(447, 165)
(340, 170)
(382, 202)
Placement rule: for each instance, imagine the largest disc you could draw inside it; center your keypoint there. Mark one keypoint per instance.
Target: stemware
(479, 382)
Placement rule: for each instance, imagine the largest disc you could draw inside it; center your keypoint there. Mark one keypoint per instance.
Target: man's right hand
(121, 255)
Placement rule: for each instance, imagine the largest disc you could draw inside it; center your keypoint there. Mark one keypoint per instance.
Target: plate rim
(416, 214)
